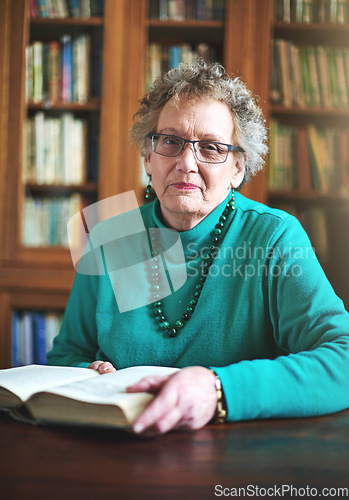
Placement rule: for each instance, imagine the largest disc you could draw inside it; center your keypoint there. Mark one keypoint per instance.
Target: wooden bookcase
(335, 205)
(41, 278)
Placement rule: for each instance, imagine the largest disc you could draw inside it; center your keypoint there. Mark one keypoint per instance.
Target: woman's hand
(185, 400)
(102, 367)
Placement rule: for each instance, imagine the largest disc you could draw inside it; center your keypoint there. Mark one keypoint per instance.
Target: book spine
(66, 137)
(190, 10)
(303, 162)
(314, 79)
(346, 70)
(174, 56)
(318, 158)
(333, 78)
(332, 11)
(66, 68)
(324, 83)
(218, 10)
(298, 11)
(320, 13)
(29, 73)
(163, 14)
(298, 93)
(33, 333)
(45, 220)
(42, 8)
(39, 163)
(308, 15)
(341, 79)
(74, 8)
(153, 9)
(62, 6)
(15, 359)
(285, 68)
(45, 76)
(53, 71)
(34, 9)
(342, 12)
(306, 76)
(28, 345)
(39, 336)
(85, 8)
(343, 160)
(81, 63)
(37, 71)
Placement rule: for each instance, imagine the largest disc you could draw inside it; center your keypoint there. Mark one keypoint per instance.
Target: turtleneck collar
(201, 230)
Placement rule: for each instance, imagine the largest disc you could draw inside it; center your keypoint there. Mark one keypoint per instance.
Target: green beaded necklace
(173, 330)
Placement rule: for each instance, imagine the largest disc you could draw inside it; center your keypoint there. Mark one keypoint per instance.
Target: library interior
(72, 73)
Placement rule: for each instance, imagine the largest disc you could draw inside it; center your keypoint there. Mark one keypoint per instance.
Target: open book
(75, 396)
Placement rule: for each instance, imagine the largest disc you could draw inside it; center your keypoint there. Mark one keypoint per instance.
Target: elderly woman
(256, 329)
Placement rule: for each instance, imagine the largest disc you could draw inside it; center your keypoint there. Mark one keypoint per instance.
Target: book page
(27, 380)
(109, 388)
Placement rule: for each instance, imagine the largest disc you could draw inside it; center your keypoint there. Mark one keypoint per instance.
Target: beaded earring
(148, 192)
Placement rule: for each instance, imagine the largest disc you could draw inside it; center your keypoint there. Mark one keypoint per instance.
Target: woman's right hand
(102, 367)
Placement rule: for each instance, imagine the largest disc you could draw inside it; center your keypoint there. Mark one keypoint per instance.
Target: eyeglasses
(205, 151)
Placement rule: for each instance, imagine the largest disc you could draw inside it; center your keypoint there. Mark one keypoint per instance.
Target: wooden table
(48, 463)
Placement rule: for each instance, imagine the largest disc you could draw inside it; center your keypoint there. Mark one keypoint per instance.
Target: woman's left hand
(185, 400)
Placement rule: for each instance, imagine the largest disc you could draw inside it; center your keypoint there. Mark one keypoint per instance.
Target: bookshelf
(37, 278)
(318, 126)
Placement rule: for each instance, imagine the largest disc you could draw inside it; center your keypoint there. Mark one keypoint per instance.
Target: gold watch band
(221, 411)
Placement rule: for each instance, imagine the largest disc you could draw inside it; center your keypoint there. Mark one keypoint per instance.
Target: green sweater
(267, 321)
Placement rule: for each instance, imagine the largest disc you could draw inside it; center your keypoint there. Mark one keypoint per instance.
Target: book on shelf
(308, 158)
(186, 10)
(312, 11)
(323, 148)
(75, 396)
(52, 9)
(55, 149)
(303, 168)
(343, 160)
(32, 336)
(44, 221)
(309, 76)
(37, 71)
(282, 173)
(66, 69)
(59, 70)
(162, 57)
(324, 78)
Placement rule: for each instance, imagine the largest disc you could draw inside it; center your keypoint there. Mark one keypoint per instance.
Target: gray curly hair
(199, 80)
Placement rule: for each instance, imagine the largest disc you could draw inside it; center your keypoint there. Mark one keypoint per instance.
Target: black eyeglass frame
(229, 146)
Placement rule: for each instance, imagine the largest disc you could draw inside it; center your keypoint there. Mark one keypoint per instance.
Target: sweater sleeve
(310, 325)
(76, 343)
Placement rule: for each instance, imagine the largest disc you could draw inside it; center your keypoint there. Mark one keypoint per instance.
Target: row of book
(185, 10)
(308, 158)
(45, 221)
(32, 336)
(59, 70)
(312, 11)
(66, 8)
(162, 57)
(309, 76)
(55, 149)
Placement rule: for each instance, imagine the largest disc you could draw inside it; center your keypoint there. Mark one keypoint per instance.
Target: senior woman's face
(188, 189)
